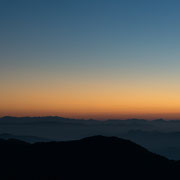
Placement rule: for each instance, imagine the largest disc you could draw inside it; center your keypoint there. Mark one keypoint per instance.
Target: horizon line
(54, 116)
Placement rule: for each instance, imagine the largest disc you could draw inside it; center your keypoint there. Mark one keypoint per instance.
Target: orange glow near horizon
(91, 101)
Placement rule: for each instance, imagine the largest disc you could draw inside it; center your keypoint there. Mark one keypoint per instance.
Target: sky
(90, 58)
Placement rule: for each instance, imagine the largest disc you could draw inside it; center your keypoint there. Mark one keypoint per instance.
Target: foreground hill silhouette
(96, 157)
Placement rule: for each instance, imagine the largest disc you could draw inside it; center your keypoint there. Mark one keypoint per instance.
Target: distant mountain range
(96, 157)
(123, 125)
(30, 139)
(159, 136)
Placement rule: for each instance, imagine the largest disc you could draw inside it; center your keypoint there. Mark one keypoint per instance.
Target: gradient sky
(90, 58)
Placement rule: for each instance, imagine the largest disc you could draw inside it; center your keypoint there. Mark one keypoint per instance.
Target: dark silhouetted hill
(96, 157)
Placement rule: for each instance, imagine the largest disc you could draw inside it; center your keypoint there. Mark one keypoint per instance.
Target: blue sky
(126, 42)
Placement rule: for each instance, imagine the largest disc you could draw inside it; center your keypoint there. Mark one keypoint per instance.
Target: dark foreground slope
(94, 158)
